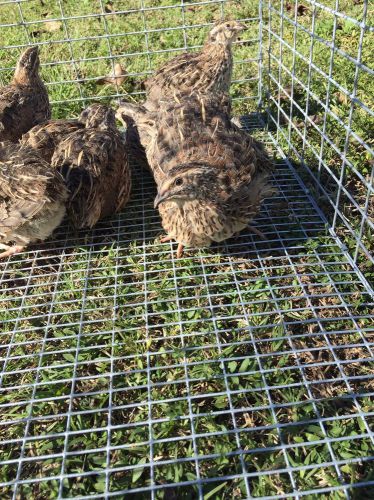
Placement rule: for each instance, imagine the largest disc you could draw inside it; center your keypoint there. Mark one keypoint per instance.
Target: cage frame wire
(334, 262)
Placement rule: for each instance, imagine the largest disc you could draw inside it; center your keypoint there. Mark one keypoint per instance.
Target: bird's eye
(178, 181)
(228, 25)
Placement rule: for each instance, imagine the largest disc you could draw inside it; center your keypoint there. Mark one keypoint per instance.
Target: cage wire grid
(240, 371)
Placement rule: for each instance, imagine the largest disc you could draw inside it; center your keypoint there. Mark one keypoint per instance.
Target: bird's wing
(24, 190)
(171, 71)
(83, 158)
(45, 137)
(21, 107)
(15, 213)
(10, 98)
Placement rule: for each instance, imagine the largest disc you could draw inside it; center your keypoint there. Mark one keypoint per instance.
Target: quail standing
(206, 71)
(211, 176)
(24, 103)
(45, 137)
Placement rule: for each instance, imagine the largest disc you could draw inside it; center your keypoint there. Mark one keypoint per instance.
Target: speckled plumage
(94, 163)
(24, 103)
(45, 137)
(32, 197)
(223, 171)
(207, 71)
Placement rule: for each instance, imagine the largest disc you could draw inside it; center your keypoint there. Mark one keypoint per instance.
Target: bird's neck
(217, 47)
(23, 78)
(218, 53)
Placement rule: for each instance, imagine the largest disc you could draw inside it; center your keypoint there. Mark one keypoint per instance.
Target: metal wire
(242, 371)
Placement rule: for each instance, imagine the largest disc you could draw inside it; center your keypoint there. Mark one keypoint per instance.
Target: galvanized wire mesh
(237, 372)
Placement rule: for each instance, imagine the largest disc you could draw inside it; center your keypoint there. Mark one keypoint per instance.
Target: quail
(206, 71)
(45, 137)
(32, 198)
(211, 176)
(24, 103)
(94, 164)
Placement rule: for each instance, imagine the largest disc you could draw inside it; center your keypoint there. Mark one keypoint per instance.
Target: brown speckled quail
(24, 103)
(94, 164)
(45, 137)
(32, 198)
(211, 176)
(208, 70)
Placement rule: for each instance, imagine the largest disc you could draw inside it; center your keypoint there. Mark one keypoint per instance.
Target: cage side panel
(319, 84)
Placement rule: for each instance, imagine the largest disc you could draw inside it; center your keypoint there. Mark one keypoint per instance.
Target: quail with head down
(24, 103)
(94, 164)
(44, 138)
(211, 176)
(206, 71)
(33, 196)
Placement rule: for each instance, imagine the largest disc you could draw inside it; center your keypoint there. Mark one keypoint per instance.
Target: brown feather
(45, 137)
(94, 163)
(32, 195)
(24, 103)
(208, 70)
(225, 170)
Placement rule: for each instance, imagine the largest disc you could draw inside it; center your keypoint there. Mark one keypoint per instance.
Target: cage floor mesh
(228, 373)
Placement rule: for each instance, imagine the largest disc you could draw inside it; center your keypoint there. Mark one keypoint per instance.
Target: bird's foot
(180, 248)
(10, 250)
(165, 239)
(257, 231)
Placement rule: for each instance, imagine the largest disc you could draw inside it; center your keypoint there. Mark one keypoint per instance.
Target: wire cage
(241, 371)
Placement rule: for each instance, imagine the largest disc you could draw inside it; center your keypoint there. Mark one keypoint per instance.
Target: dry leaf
(301, 9)
(52, 26)
(115, 78)
(317, 119)
(283, 93)
(342, 98)
(109, 8)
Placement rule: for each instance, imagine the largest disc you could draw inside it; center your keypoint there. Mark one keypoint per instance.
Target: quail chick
(208, 70)
(94, 164)
(45, 137)
(24, 103)
(32, 198)
(211, 176)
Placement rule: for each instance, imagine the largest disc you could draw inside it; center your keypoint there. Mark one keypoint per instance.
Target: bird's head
(187, 182)
(225, 32)
(98, 116)
(28, 66)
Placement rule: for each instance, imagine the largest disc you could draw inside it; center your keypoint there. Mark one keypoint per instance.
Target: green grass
(214, 345)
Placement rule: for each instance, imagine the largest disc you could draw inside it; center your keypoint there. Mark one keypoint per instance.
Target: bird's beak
(160, 198)
(240, 27)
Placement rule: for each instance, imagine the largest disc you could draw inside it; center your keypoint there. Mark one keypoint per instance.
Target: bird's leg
(180, 250)
(10, 250)
(257, 231)
(166, 238)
